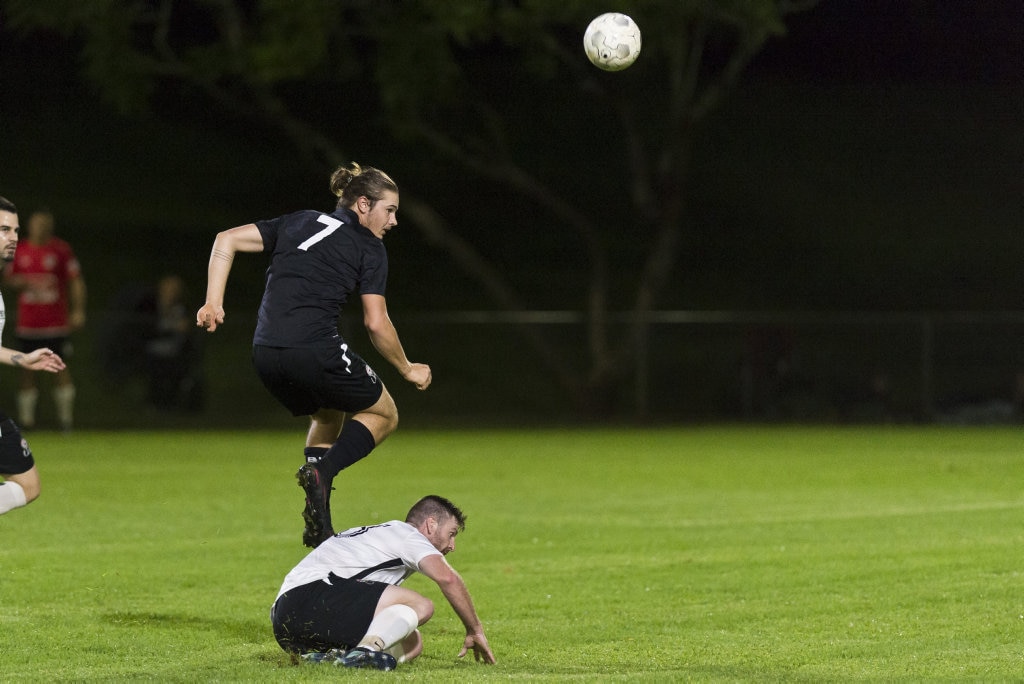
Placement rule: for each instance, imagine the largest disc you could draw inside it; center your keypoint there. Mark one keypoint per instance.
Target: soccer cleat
(364, 657)
(317, 513)
(316, 657)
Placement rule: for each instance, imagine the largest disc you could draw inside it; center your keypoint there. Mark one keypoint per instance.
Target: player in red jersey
(51, 305)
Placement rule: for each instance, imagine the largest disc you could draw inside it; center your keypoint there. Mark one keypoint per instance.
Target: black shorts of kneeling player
(319, 616)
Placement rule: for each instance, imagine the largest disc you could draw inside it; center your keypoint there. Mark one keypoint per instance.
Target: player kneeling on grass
(343, 604)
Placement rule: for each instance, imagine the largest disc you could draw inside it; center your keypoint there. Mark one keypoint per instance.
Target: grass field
(701, 554)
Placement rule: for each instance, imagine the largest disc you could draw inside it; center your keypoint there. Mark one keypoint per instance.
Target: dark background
(870, 161)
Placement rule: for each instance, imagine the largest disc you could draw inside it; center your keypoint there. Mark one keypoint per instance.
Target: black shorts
(307, 380)
(15, 456)
(61, 346)
(319, 616)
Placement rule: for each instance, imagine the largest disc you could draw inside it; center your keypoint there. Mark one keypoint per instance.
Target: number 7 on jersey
(332, 225)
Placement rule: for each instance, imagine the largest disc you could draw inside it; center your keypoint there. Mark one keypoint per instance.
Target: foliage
(489, 87)
(711, 554)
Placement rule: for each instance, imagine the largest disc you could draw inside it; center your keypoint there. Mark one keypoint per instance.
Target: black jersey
(316, 262)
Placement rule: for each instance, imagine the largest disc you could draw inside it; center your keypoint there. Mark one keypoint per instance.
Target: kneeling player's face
(382, 216)
(444, 534)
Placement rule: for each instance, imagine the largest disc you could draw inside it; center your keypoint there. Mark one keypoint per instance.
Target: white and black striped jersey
(388, 552)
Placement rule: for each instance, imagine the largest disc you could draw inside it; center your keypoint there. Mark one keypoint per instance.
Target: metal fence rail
(757, 365)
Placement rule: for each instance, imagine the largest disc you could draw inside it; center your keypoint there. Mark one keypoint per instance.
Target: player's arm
(245, 238)
(454, 589)
(385, 339)
(41, 359)
(76, 302)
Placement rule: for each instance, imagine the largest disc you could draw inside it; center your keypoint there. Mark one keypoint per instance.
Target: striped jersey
(389, 552)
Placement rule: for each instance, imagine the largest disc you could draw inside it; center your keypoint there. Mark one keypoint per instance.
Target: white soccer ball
(612, 41)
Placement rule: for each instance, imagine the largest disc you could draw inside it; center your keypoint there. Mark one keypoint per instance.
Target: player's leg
(381, 419)
(356, 439)
(408, 648)
(293, 376)
(362, 433)
(392, 632)
(21, 479)
(28, 397)
(342, 382)
(29, 483)
(324, 429)
(64, 399)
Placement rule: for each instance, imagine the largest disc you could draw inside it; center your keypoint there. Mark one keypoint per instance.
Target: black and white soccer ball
(612, 41)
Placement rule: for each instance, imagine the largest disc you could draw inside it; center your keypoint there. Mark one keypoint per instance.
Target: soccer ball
(612, 41)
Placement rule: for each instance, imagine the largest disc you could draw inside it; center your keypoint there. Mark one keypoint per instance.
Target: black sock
(314, 454)
(354, 443)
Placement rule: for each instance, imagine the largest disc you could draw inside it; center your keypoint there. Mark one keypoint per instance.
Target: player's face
(380, 216)
(443, 536)
(40, 227)
(8, 235)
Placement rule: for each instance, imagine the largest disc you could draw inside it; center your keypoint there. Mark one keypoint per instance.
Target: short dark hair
(7, 205)
(437, 507)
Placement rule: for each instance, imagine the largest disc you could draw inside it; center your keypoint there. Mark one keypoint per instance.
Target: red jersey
(43, 305)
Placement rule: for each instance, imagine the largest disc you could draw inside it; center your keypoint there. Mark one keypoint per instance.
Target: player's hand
(209, 317)
(76, 320)
(419, 375)
(41, 359)
(481, 649)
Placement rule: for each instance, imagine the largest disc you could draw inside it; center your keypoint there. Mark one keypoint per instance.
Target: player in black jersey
(317, 261)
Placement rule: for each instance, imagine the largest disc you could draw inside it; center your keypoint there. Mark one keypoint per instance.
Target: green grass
(702, 554)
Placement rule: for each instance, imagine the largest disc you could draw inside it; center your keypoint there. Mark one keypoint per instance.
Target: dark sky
(900, 41)
(54, 155)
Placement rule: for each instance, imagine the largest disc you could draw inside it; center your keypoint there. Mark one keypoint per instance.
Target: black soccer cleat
(318, 657)
(317, 513)
(364, 657)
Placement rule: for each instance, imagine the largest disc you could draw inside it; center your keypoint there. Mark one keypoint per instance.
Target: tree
(447, 73)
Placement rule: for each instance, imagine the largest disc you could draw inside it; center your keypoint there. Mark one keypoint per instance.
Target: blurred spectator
(148, 333)
(172, 354)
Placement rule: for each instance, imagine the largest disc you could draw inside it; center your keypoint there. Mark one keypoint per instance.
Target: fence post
(927, 352)
(641, 388)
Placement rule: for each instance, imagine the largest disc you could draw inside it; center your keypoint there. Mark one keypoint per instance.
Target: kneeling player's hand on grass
(481, 649)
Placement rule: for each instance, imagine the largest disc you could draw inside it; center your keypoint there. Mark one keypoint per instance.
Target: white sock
(27, 406)
(390, 626)
(64, 400)
(397, 650)
(11, 496)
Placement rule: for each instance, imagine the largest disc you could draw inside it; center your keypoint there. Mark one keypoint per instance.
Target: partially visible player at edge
(317, 261)
(17, 467)
(51, 308)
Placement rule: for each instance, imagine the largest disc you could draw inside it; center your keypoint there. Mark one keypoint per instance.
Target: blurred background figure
(51, 306)
(147, 334)
(172, 350)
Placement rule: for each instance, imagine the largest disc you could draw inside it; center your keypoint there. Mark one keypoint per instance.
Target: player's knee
(424, 608)
(31, 489)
